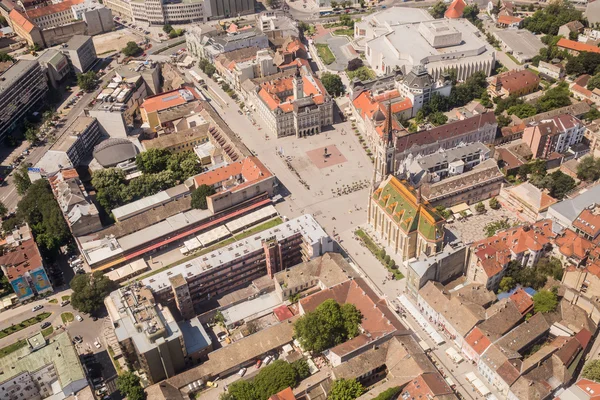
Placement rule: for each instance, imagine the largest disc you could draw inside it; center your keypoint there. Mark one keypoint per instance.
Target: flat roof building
(223, 270)
(41, 369)
(81, 53)
(78, 140)
(149, 336)
(521, 43)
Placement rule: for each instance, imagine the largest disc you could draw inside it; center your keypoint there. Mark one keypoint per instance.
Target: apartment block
(79, 139)
(221, 271)
(23, 88)
(81, 53)
(150, 337)
(554, 135)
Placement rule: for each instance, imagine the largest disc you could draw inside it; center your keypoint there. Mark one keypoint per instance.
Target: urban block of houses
(514, 83)
(527, 200)
(574, 47)
(555, 135)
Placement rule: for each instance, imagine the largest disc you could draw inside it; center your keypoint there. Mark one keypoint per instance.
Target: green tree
(333, 83)
(21, 179)
(301, 368)
(437, 118)
(544, 301)
(38, 207)
(363, 73)
(129, 385)
(494, 203)
(550, 267)
(591, 115)
(31, 134)
(492, 228)
(507, 283)
(4, 57)
(438, 10)
(152, 161)
(110, 185)
(89, 291)
(132, 49)
(345, 389)
(588, 169)
(3, 22)
(480, 207)
(503, 121)
(210, 70)
(552, 17)
(167, 28)
(274, 378)
(199, 196)
(329, 325)
(241, 390)
(3, 210)
(389, 394)
(334, 4)
(87, 81)
(591, 370)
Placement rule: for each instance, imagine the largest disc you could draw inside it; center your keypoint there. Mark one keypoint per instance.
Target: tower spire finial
(388, 126)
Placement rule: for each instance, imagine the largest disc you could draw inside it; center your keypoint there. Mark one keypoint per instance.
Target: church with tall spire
(386, 149)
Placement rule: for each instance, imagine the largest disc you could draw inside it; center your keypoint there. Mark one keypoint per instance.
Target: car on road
(46, 324)
(97, 344)
(240, 112)
(64, 303)
(212, 384)
(38, 307)
(78, 318)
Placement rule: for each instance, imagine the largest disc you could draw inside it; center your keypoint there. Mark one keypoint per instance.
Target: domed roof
(378, 116)
(112, 151)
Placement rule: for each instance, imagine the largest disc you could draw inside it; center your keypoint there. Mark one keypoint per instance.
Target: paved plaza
(326, 156)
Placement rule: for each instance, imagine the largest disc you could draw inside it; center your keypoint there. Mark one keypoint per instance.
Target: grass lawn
(67, 317)
(12, 347)
(115, 362)
(53, 301)
(65, 298)
(373, 248)
(344, 32)
(47, 331)
(513, 58)
(325, 53)
(25, 324)
(259, 228)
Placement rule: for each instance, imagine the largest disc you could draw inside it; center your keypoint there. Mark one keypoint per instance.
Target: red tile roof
(588, 222)
(577, 46)
(509, 19)
(522, 300)
(581, 90)
(167, 100)
(571, 244)
(590, 389)
(20, 20)
(285, 394)
(282, 313)
(455, 10)
(52, 9)
(515, 80)
(478, 341)
(271, 92)
(427, 386)
(23, 259)
(251, 169)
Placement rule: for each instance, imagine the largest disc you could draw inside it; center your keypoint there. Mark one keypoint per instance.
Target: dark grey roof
(418, 80)
(378, 116)
(112, 151)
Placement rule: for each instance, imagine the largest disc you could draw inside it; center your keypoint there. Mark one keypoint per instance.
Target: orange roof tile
(455, 10)
(580, 89)
(509, 19)
(19, 19)
(571, 244)
(24, 259)
(429, 385)
(577, 46)
(271, 92)
(478, 341)
(588, 222)
(285, 394)
(522, 300)
(166, 100)
(251, 170)
(52, 9)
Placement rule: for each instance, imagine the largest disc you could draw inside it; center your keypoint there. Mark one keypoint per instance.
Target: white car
(38, 307)
(78, 318)
(242, 372)
(97, 344)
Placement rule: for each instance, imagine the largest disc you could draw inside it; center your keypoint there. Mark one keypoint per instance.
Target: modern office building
(81, 53)
(158, 12)
(23, 88)
(150, 337)
(23, 266)
(78, 140)
(56, 66)
(221, 271)
(210, 45)
(42, 369)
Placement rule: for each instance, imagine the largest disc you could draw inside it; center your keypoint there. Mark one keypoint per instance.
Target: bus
(198, 78)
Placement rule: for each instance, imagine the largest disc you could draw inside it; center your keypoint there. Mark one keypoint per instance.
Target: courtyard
(341, 49)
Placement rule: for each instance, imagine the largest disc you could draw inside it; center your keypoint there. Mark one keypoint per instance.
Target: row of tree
(558, 96)
(534, 277)
(549, 19)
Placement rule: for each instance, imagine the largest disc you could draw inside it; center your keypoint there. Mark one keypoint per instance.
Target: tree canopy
(129, 385)
(333, 83)
(152, 161)
(549, 19)
(535, 276)
(554, 98)
(39, 209)
(87, 81)
(199, 196)
(21, 179)
(584, 63)
(589, 169)
(271, 379)
(558, 183)
(329, 325)
(389, 394)
(132, 49)
(89, 291)
(363, 73)
(438, 10)
(544, 301)
(591, 370)
(345, 389)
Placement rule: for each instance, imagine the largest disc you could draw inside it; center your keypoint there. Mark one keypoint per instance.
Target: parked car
(38, 307)
(79, 339)
(78, 318)
(258, 363)
(46, 324)
(64, 303)
(97, 344)
(212, 384)
(242, 372)
(267, 360)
